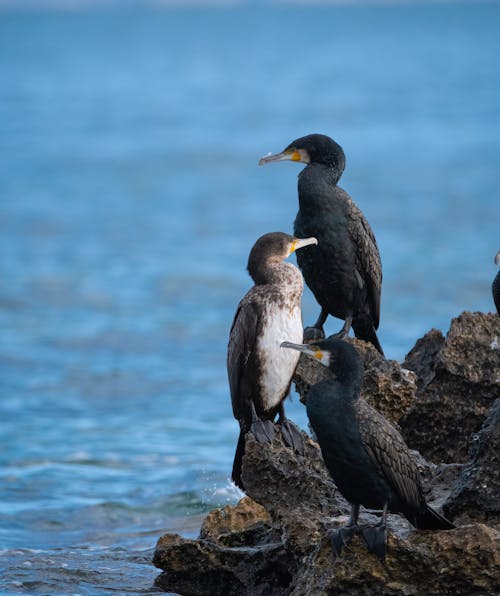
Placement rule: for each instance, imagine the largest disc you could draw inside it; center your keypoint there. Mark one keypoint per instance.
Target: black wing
(240, 355)
(389, 452)
(367, 259)
(495, 288)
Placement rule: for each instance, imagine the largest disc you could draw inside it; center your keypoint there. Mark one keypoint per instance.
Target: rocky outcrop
(276, 541)
(462, 561)
(476, 495)
(281, 545)
(235, 526)
(459, 379)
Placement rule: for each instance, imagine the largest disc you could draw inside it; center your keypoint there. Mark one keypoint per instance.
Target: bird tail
(428, 518)
(238, 460)
(364, 329)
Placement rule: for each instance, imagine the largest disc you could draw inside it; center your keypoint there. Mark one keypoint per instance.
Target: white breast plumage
(278, 364)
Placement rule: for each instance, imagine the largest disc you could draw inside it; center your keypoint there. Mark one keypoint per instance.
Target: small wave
(218, 496)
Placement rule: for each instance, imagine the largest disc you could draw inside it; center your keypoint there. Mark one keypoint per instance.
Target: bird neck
(274, 271)
(329, 397)
(348, 377)
(315, 182)
(328, 173)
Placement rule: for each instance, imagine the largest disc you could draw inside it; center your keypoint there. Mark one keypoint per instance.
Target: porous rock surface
(459, 379)
(476, 494)
(276, 542)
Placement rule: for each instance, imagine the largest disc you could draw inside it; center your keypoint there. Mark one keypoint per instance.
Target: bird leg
(344, 332)
(292, 435)
(316, 331)
(342, 536)
(263, 430)
(375, 537)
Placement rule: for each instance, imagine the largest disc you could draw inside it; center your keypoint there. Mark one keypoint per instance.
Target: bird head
(314, 148)
(336, 354)
(272, 248)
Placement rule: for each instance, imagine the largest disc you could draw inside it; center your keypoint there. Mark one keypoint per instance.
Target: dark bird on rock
(365, 455)
(260, 373)
(344, 271)
(495, 288)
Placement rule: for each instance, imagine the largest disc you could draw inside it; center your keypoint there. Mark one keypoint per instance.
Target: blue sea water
(129, 199)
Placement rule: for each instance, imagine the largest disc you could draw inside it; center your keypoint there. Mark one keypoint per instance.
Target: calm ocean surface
(129, 199)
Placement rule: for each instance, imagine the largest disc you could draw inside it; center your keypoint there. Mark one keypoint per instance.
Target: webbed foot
(375, 538)
(341, 537)
(312, 334)
(342, 334)
(292, 436)
(264, 431)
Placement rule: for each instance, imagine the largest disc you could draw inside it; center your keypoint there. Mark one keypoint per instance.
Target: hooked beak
(286, 155)
(311, 350)
(497, 258)
(300, 243)
(306, 348)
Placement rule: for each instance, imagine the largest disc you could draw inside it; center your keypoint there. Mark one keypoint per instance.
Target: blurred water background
(130, 197)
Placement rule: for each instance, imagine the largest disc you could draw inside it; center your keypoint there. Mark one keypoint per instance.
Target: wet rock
(247, 523)
(303, 507)
(459, 379)
(203, 568)
(276, 541)
(476, 495)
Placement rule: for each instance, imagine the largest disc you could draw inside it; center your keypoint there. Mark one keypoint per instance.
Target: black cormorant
(365, 455)
(344, 271)
(259, 372)
(495, 287)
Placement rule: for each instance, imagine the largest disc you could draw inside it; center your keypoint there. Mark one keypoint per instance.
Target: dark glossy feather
(389, 455)
(367, 260)
(242, 357)
(344, 270)
(366, 456)
(495, 288)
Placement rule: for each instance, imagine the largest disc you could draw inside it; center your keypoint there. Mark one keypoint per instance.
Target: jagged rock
(204, 568)
(422, 357)
(295, 556)
(276, 543)
(461, 561)
(386, 385)
(296, 489)
(475, 496)
(247, 523)
(437, 479)
(459, 378)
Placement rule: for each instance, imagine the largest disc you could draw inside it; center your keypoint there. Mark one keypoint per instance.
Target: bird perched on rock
(495, 287)
(344, 271)
(259, 372)
(365, 455)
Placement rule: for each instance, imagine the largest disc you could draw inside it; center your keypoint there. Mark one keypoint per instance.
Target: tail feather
(364, 329)
(238, 460)
(428, 518)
